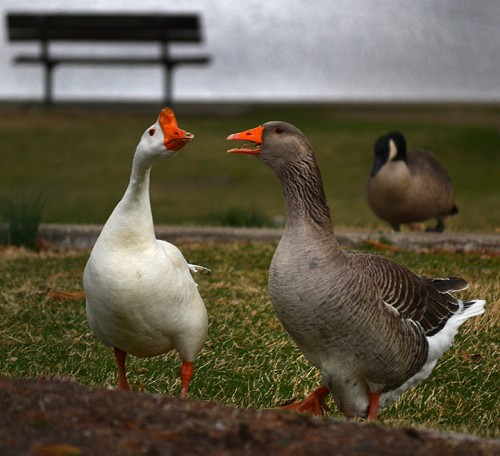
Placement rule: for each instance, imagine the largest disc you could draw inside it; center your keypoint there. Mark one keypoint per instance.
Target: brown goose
(372, 326)
(408, 187)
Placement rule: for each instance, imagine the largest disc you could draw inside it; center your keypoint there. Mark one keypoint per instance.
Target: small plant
(21, 220)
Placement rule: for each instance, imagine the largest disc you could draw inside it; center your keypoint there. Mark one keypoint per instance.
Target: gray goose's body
(372, 326)
(411, 187)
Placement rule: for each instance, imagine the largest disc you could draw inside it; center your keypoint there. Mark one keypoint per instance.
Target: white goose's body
(372, 327)
(140, 296)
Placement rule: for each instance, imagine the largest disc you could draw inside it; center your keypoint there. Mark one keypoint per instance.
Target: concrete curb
(83, 237)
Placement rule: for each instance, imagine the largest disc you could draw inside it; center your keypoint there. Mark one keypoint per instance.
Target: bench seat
(72, 60)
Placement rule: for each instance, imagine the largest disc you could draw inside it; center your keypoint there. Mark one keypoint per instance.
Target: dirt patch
(57, 417)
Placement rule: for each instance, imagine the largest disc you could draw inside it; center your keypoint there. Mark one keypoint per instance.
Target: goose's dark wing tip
(449, 284)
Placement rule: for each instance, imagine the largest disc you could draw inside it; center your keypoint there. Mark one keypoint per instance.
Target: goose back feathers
(372, 327)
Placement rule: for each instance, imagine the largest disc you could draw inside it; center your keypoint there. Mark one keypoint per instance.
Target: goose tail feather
(442, 340)
(438, 344)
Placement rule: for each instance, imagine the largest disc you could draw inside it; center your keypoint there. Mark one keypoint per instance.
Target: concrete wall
(296, 50)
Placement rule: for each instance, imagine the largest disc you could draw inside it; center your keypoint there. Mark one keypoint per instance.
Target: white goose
(140, 296)
(373, 327)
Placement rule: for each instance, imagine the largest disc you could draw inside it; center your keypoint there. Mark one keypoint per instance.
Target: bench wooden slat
(104, 27)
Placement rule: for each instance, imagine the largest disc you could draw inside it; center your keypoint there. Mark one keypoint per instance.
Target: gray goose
(371, 326)
(408, 187)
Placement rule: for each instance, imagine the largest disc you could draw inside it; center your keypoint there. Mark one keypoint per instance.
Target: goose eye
(152, 131)
(278, 130)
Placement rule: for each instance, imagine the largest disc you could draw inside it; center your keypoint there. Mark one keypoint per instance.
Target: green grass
(81, 158)
(248, 361)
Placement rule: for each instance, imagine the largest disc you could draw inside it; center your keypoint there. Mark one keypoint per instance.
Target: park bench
(48, 28)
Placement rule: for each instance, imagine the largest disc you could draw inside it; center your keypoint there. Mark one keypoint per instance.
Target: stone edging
(83, 237)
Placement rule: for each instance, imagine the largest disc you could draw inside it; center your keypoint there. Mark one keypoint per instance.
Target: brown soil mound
(58, 417)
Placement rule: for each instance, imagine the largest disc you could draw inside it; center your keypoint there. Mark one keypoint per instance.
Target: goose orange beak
(175, 138)
(253, 135)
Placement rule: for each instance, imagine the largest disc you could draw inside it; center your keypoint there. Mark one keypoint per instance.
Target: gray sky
(320, 50)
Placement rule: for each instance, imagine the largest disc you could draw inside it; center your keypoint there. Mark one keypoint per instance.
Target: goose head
(163, 139)
(286, 150)
(387, 148)
(277, 144)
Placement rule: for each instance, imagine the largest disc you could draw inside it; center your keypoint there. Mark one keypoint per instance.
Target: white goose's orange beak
(175, 138)
(253, 135)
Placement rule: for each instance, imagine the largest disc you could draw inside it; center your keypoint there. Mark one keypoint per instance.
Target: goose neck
(304, 196)
(133, 217)
(139, 178)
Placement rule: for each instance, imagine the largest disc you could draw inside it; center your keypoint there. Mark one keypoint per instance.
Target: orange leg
(186, 374)
(314, 403)
(120, 356)
(373, 408)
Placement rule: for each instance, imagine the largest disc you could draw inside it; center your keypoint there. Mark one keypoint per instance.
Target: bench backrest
(104, 27)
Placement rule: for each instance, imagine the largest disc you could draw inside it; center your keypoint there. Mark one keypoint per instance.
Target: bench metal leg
(168, 85)
(47, 101)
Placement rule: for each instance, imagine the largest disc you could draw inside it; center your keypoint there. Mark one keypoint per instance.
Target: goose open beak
(253, 135)
(175, 138)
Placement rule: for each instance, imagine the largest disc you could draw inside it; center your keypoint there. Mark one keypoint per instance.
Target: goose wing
(426, 301)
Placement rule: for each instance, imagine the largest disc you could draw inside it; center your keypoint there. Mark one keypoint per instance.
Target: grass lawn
(248, 361)
(80, 159)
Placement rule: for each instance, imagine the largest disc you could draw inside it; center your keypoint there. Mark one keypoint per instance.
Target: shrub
(21, 220)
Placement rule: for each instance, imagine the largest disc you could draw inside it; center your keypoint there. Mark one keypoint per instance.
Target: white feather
(438, 344)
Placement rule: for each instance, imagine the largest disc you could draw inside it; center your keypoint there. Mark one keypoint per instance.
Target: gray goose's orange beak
(253, 135)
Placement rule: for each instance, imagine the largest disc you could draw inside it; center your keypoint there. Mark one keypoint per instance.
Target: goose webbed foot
(439, 228)
(313, 404)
